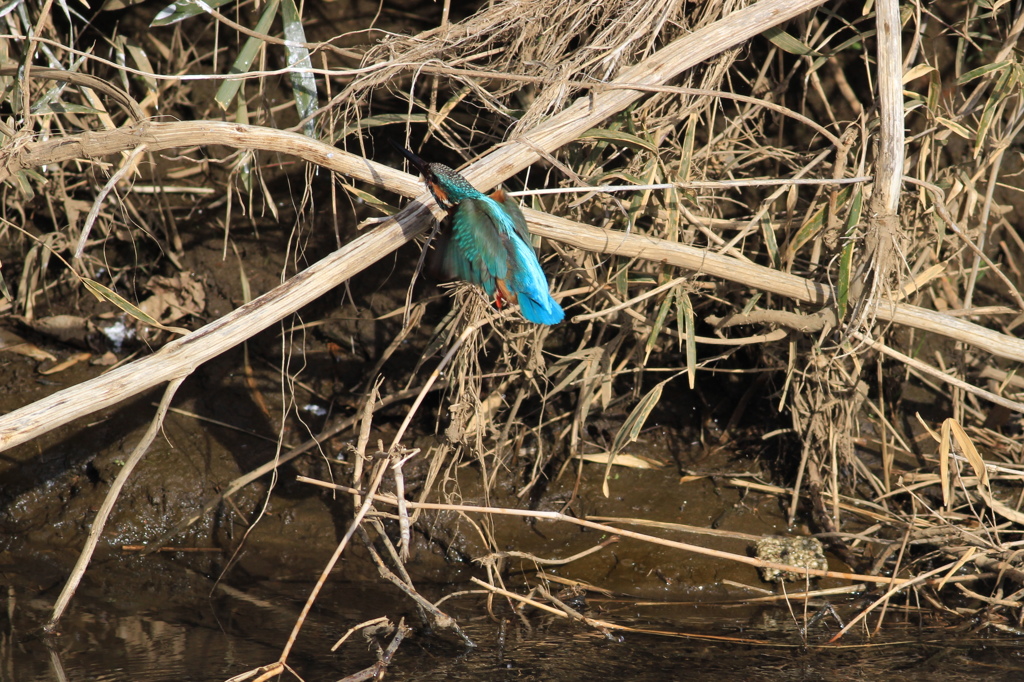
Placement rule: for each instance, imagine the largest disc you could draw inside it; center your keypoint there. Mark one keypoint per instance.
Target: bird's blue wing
(490, 243)
(441, 263)
(515, 214)
(525, 277)
(479, 250)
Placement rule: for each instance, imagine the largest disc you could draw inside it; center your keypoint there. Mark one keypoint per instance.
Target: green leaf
(586, 357)
(631, 428)
(114, 5)
(245, 160)
(303, 83)
(846, 257)
(686, 313)
(243, 63)
(371, 200)
(856, 42)
(843, 286)
(770, 242)
(981, 71)
(141, 60)
(809, 229)
(63, 108)
(610, 177)
(183, 9)
(996, 101)
(605, 135)
(4, 291)
(103, 293)
(659, 322)
(961, 130)
(21, 181)
(634, 424)
(622, 278)
(751, 303)
(686, 159)
(934, 91)
(788, 43)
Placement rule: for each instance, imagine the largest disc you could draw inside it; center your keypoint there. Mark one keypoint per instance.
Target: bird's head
(447, 186)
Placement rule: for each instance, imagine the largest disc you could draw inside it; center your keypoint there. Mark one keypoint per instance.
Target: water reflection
(200, 638)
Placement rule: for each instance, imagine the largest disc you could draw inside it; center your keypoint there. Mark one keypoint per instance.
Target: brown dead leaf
(64, 364)
(12, 343)
(622, 460)
(174, 297)
(65, 328)
(944, 461)
(967, 447)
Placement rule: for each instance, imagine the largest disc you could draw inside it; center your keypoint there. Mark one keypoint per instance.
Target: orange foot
(503, 295)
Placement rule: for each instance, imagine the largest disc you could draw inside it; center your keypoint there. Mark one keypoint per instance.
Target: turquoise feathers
(489, 244)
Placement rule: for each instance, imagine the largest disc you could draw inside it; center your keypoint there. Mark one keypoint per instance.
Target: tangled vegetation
(826, 207)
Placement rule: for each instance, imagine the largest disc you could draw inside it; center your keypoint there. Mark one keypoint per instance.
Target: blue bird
(489, 245)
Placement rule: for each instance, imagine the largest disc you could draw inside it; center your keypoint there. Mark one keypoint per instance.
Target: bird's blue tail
(540, 309)
(528, 283)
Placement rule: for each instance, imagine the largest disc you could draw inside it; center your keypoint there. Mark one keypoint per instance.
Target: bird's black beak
(417, 163)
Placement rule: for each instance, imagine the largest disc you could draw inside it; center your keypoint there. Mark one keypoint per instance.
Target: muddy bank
(228, 415)
(52, 496)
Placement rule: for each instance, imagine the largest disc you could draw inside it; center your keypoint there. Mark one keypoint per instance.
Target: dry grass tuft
(829, 205)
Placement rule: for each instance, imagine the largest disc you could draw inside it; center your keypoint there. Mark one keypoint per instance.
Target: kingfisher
(489, 245)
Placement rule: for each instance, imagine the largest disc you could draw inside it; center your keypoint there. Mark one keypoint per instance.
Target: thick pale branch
(182, 356)
(159, 135)
(765, 279)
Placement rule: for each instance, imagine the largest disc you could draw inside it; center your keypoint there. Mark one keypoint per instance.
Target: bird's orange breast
(438, 191)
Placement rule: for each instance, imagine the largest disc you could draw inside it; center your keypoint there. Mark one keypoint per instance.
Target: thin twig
(99, 523)
(378, 476)
(557, 516)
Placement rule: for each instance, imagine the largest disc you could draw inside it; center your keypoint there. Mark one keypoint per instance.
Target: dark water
(136, 637)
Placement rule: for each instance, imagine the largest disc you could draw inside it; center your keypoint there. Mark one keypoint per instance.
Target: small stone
(804, 552)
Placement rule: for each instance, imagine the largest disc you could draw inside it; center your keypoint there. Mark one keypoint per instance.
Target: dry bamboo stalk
(889, 165)
(98, 523)
(158, 136)
(765, 279)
